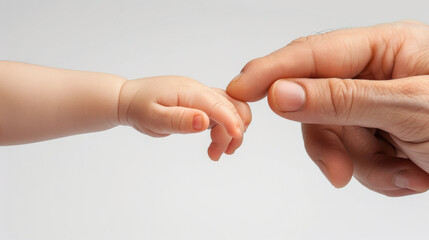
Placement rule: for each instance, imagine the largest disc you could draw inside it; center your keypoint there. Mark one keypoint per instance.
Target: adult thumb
(365, 103)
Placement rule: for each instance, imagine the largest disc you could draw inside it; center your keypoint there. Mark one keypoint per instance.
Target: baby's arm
(39, 103)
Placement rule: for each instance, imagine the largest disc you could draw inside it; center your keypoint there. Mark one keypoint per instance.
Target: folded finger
(220, 141)
(324, 146)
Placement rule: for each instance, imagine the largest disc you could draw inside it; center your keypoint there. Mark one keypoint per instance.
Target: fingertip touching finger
(223, 112)
(241, 107)
(342, 53)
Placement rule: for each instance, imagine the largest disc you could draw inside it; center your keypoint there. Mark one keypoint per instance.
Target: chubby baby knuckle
(217, 105)
(177, 120)
(222, 105)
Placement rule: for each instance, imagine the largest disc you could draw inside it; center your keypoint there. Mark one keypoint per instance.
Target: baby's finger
(220, 142)
(242, 108)
(168, 120)
(233, 145)
(219, 109)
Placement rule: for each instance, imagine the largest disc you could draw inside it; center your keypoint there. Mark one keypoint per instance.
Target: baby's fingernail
(197, 122)
(288, 96)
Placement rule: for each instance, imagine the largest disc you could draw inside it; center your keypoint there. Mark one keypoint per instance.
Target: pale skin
(39, 103)
(362, 97)
(376, 131)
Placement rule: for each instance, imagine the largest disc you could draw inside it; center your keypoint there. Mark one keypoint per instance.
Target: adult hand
(377, 131)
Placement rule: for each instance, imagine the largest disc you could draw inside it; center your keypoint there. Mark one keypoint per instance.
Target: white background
(120, 184)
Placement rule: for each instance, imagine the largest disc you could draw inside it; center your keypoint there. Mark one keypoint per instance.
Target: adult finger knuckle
(342, 97)
(372, 175)
(414, 95)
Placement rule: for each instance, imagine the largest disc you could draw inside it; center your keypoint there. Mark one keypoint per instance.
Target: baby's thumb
(365, 103)
(169, 120)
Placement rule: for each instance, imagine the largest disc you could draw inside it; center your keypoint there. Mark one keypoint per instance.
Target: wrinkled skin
(362, 96)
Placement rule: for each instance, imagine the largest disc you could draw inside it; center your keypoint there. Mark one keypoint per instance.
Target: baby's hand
(160, 106)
